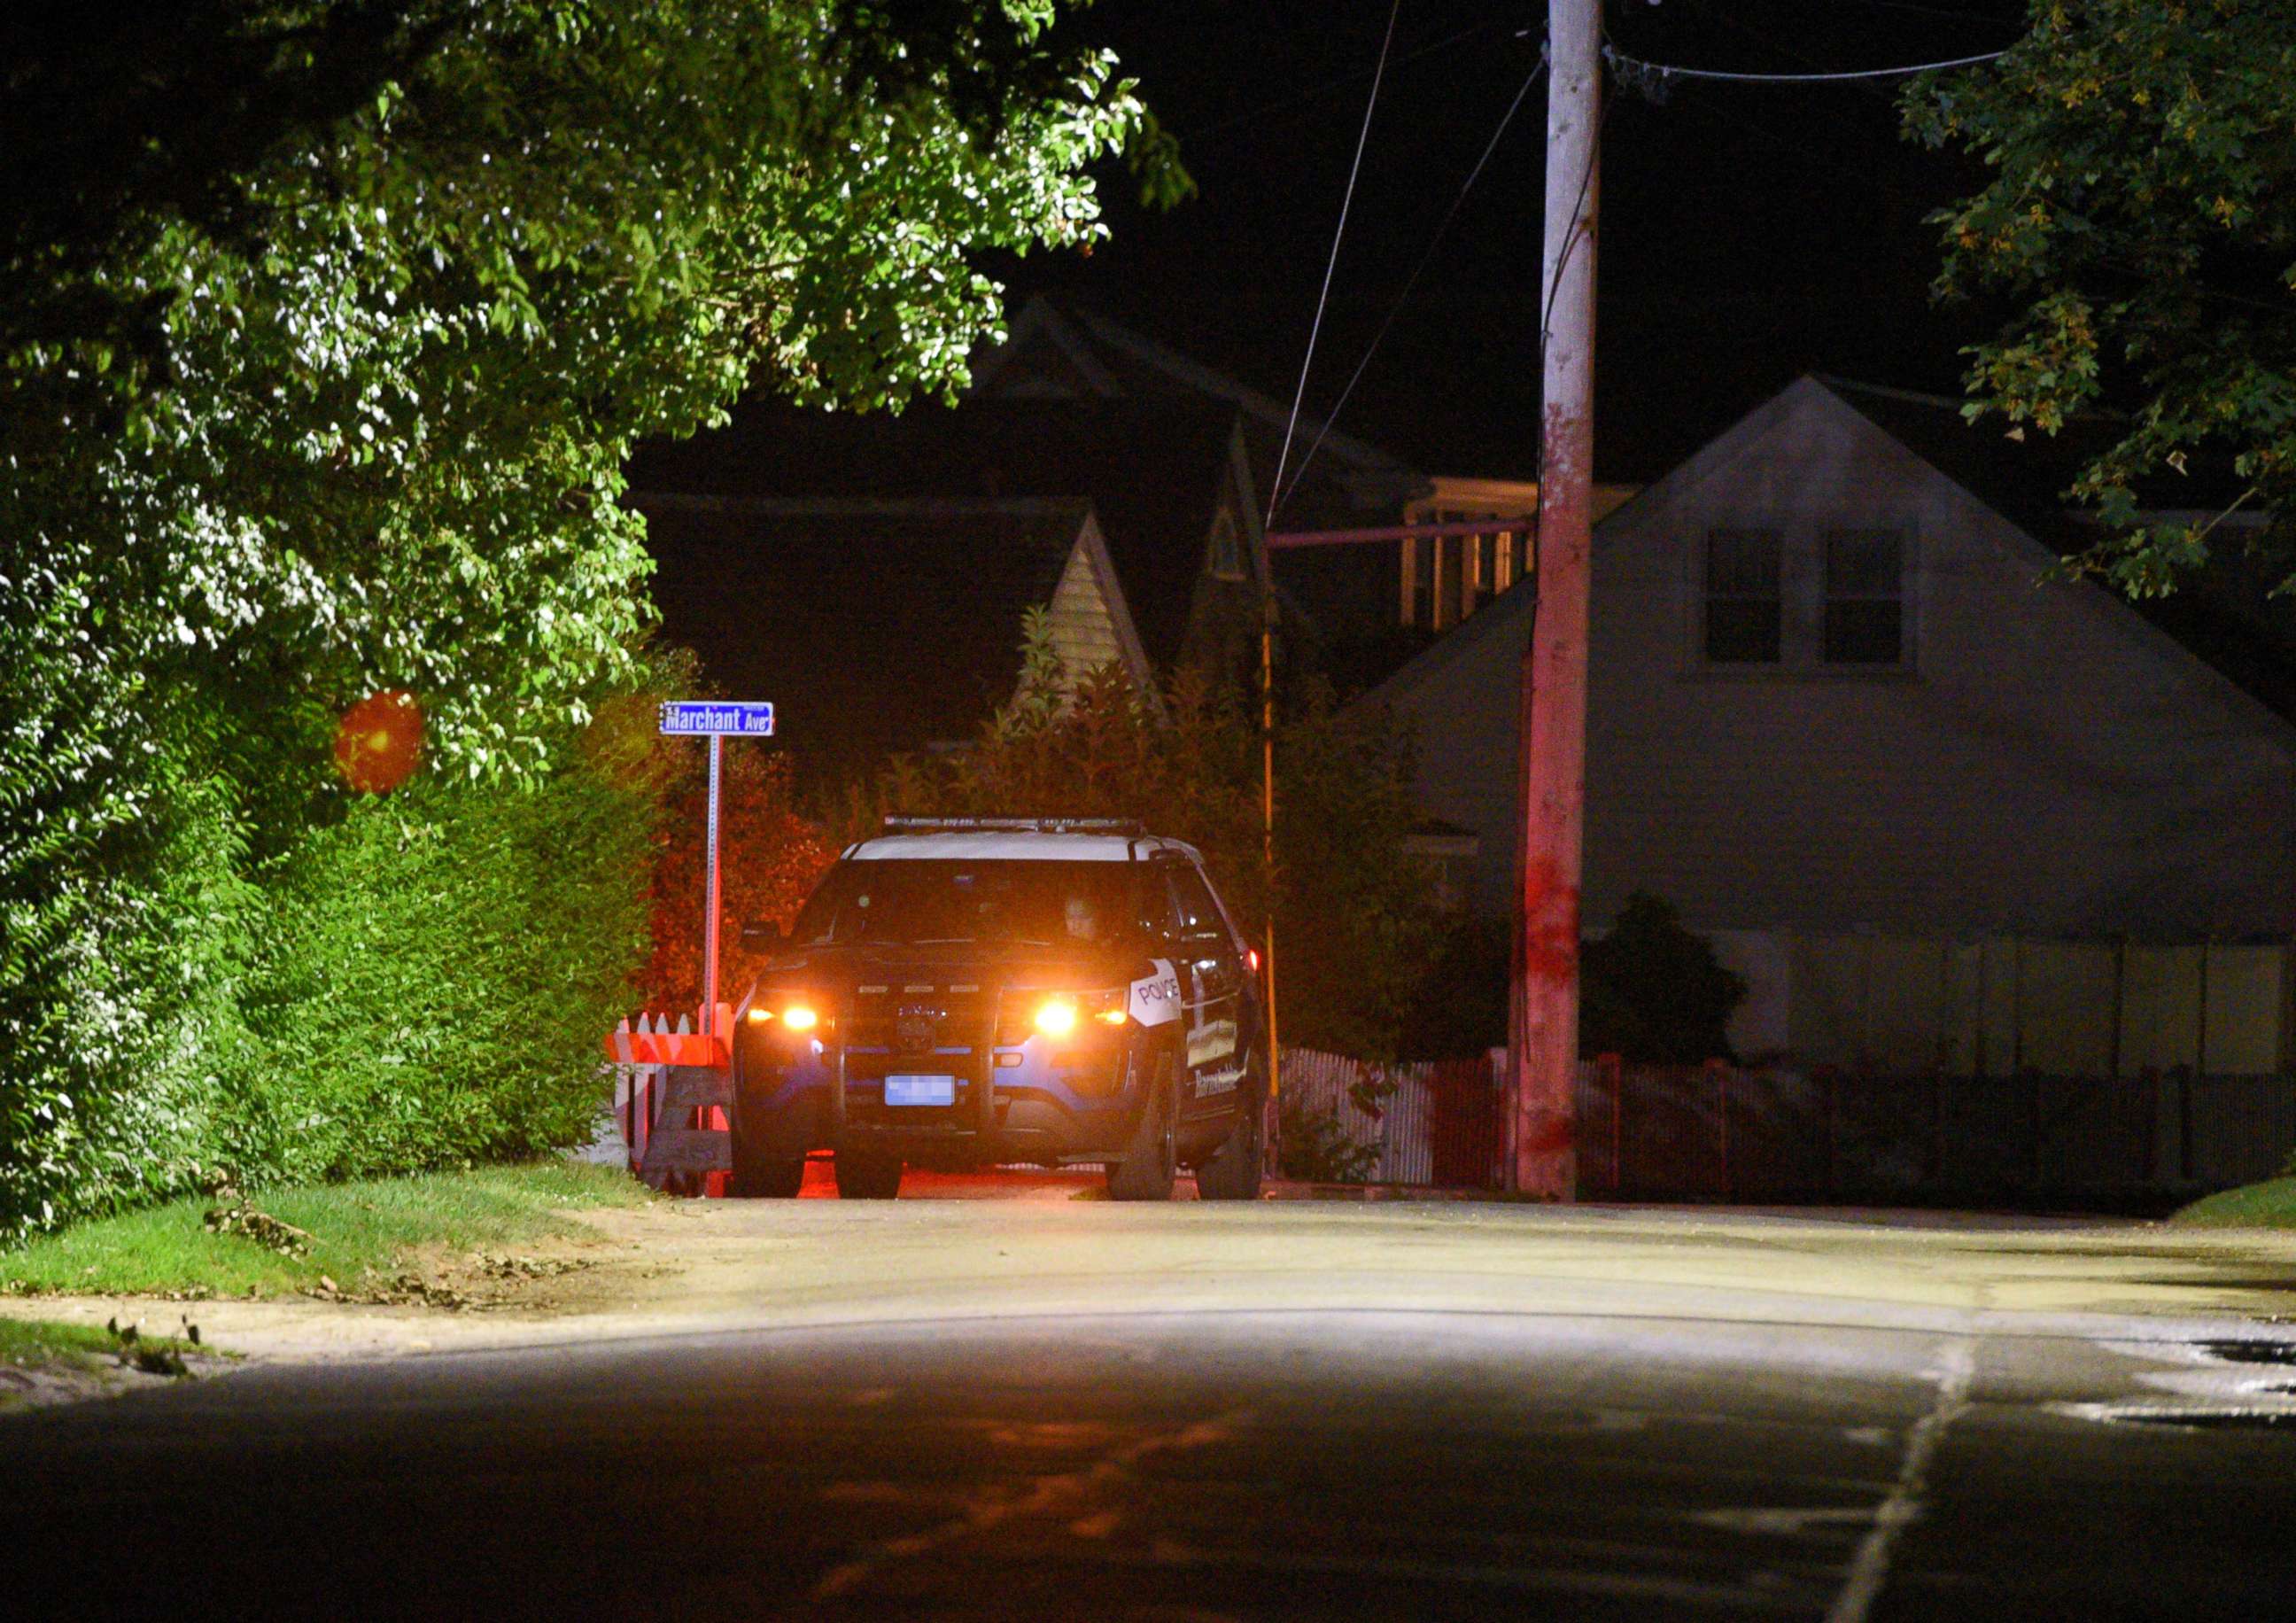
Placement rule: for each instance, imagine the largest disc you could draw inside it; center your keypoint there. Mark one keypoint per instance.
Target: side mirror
(763, 932)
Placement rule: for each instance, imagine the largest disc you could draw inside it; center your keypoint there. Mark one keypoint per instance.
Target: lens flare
(1056, 1017)
(379, 742)
(797, 1017)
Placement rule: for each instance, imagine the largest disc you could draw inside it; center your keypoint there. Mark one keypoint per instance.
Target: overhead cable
(1634, 67)
(1426, 259)
(1331, 265)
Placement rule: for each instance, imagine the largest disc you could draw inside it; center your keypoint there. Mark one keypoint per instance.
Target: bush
(434, 977)
(1653, 992)
(769, 859)
(1650, 991)
(389, 983)
(1311, 1146)
(122, 1020)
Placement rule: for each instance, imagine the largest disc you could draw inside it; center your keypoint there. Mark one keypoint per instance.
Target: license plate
(919, 1090)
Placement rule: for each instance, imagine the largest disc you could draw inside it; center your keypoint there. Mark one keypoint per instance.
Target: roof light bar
(1129, 827)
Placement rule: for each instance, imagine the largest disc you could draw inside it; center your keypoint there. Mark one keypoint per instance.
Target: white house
(1835, 693)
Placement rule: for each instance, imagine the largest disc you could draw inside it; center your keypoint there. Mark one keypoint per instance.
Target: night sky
(1748, 232)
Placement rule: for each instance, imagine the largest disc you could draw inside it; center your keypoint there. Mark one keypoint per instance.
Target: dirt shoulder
(683, 1267)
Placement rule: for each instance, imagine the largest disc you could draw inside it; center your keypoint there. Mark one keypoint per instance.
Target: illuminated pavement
(1040, 1405)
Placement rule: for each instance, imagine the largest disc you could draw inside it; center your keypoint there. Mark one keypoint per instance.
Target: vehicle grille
(895, 1019)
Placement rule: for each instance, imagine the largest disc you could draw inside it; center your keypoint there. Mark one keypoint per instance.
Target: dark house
(1172, 460)
(883, 627)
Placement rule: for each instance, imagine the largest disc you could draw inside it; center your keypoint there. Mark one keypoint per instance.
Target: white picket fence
(637, 1089)
(1400, 1128)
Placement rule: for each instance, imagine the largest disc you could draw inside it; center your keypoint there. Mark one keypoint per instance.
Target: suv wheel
(1233, 1171)
(1151, 1158)
(759, 1174)
(863, 1176)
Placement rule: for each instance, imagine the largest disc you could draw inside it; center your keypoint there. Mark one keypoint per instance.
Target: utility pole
(1543, 1049)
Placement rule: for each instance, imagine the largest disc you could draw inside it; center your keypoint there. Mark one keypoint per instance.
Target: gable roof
(1153, 474)
(2253, 670)
(2223, 614)
(1347, 473)
(876, 626)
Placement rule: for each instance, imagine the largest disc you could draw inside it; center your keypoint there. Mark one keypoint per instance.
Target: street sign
(717, 722)
(700, 718)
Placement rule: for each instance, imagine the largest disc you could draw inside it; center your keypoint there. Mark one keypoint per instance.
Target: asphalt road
(1069, 1409)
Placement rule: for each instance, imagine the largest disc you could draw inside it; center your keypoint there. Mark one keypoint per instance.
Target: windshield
(919, 903)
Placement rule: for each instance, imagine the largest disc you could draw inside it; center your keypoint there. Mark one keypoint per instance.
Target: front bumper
(1035, 1101)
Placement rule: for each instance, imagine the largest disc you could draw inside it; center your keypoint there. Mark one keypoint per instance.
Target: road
(1050, 1406)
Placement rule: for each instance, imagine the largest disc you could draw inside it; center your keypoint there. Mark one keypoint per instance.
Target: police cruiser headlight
(1060, 1014)
(793, 1017)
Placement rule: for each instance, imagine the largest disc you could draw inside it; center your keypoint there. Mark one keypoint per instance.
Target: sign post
(717, 722)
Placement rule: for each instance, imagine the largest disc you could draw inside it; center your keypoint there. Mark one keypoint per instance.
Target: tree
(2140, 216)
(327, 390)
(1655, 992)
(1351, 916)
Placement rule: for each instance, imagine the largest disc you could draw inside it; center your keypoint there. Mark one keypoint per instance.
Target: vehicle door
(1211, 977)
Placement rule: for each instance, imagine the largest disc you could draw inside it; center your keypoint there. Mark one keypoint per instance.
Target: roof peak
(1059, 322)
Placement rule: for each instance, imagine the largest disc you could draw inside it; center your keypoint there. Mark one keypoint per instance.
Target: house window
(1865, 597)
(1745, 599)
(1228, 551)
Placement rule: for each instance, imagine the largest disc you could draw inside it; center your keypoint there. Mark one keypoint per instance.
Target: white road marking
(1870, 1568)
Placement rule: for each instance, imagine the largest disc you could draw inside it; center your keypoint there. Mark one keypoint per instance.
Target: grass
(356, 1230)
(28, 1341)
(81, 1353)
(2271, 1204)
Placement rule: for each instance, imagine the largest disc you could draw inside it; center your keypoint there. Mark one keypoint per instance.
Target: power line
(1341, 82)
(1426, 259)
(1634, 67)
(1346, 200)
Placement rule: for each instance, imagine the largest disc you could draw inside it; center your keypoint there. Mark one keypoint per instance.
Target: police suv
(967, 992)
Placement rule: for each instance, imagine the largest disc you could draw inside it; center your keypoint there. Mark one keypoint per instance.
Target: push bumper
(1026, 1103)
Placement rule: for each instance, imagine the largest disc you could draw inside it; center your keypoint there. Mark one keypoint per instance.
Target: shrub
(122, 1020)
(435, 974)
(1313, 1147)
(1653, 992)
(769, 858)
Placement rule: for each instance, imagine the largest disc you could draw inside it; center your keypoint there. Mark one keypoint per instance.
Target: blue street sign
(694, 717)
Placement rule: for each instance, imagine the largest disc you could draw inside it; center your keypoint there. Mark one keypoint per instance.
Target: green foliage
(1650, 991)
(1351, 924)
(2270, 1204)
(1653, 992)
(1461, 1007)
(358, 1230)
(434, 977)
(1312, 1146)
(326, 389)
(421, 982)
(2139, 215)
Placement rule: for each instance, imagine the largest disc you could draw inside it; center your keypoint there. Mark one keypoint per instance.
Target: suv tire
(1150, 1158)
(865, 1175)
(1232, 1172)
(759, 1174)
